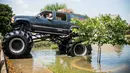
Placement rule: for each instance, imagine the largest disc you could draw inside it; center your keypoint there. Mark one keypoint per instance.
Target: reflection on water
(46, 57)
(114, 59)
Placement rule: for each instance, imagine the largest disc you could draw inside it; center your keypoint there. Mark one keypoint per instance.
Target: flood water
(114, 59)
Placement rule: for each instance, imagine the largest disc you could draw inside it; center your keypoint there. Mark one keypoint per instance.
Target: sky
(91, 8)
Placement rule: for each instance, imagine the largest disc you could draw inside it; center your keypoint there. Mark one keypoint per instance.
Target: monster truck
(27, 29)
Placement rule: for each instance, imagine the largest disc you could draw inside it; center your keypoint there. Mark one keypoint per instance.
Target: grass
(45, 45)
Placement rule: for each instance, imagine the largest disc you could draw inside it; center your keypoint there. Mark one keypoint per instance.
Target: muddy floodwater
(114, 59)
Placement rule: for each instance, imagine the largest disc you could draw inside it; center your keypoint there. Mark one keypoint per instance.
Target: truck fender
(21, 19)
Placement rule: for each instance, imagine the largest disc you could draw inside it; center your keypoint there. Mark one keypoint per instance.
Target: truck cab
(47, 22)
(59, 22)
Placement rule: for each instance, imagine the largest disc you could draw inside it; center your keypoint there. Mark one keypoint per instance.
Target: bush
(42, 43)
(54, 46)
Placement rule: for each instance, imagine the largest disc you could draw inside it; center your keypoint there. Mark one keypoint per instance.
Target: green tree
(54, 7)
(5, 17)
(100, 30)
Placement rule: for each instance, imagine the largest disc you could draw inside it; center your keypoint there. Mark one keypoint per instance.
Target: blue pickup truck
(52, 25)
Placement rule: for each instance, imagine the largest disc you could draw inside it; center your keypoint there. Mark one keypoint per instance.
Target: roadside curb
(2, 62)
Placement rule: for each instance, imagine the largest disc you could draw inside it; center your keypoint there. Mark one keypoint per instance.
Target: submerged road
(115, 59)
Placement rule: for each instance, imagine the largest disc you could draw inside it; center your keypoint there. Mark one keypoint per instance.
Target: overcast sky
(90, 7)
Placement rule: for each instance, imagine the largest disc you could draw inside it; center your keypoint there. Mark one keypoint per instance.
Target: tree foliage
(54, 7)
(5, 17)
(103, 29)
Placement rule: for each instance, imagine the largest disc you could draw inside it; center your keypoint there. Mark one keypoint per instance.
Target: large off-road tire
(16, 44)
(79, 49)
(30, 44)
(24, 26)
(64, 45)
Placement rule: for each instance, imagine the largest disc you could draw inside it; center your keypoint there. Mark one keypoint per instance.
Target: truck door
(60, 23)
(41, 22)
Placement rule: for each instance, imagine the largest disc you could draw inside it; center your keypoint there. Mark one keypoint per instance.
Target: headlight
(12, 20)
